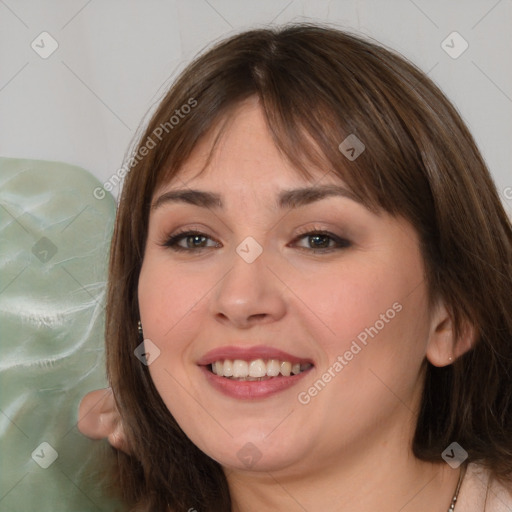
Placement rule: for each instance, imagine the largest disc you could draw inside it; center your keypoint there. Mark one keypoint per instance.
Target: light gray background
(85, 103)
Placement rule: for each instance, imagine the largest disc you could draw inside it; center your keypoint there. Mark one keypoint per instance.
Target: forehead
(238, 163)
(240, 152)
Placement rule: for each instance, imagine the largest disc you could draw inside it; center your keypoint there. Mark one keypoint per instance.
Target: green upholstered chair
(54, 244)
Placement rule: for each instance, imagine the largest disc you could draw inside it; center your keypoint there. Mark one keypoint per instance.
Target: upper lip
(249, 354)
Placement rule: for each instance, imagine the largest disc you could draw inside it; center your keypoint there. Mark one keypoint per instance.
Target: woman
(313, 251)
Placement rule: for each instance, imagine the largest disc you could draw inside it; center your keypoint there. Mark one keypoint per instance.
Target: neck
(372, 476)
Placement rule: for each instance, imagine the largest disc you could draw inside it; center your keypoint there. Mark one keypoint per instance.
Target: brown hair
(317, 85)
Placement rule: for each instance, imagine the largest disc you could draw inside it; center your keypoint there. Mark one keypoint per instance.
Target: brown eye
(193, 240)
(320, 241)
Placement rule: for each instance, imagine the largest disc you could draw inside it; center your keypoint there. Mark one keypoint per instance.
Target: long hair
(316, 86)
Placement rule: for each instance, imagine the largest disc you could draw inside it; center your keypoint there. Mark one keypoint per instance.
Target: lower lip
(247, 390)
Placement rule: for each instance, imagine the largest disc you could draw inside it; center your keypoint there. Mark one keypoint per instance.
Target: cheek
(169, 300)
(351, 299)
(375, 314)
(382, 333)
(167, 296)
(372, 352)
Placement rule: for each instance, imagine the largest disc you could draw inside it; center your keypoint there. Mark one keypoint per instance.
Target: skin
(348, 449)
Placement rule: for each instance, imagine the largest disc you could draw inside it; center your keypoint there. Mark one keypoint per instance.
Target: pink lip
(247, 390)
(249, 354)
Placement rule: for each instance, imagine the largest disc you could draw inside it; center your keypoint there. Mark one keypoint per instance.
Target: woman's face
(317, 281)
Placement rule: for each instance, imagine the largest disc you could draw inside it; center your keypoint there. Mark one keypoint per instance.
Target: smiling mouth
(257, 369)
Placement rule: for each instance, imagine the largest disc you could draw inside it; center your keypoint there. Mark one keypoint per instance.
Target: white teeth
(228, 368)
(218, 368)
(257, 369)
(273, 367)
(286, 368)
(240, 368)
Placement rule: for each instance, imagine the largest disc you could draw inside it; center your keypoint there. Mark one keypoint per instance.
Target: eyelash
(172, 241)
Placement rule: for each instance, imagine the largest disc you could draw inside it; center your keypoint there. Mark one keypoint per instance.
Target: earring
(139, 328)
(449, 359)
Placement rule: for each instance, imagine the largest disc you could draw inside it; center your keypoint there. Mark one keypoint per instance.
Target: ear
(443, 347)
(98, 418)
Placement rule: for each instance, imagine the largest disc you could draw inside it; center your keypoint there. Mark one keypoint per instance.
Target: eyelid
(199, 229)
(321, 229)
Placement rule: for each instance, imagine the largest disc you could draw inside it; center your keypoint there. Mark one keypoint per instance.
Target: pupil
(320, 241)
(196, 238)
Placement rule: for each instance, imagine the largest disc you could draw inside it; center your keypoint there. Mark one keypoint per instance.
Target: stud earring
(139, 328)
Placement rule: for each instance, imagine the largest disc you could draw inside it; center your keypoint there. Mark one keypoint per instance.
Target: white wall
(115, 58)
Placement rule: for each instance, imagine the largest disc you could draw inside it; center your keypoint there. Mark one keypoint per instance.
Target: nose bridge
(248, 291)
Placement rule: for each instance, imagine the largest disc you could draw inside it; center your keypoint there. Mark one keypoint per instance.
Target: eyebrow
(287, 199)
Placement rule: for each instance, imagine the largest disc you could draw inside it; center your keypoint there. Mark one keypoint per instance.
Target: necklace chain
(456, 495)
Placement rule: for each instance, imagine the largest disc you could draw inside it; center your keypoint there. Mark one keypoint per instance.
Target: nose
(248, 294)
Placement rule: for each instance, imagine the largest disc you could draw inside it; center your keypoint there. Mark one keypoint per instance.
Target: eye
(189, 241)
(323, 241)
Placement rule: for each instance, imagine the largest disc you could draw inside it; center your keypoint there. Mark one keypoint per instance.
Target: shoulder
(480, 491)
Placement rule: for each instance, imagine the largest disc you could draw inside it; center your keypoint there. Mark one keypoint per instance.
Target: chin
(254, 453)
